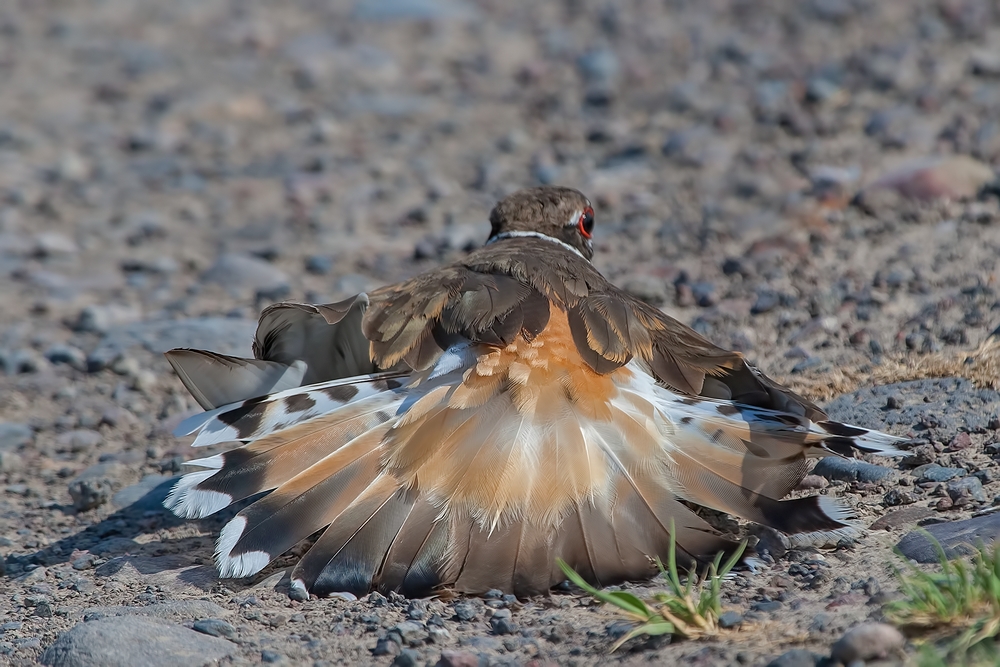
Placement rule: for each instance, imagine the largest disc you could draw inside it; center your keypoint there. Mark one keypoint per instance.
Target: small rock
(869, 641)
(242, 274)
(94, 486)
(967, 487)
(271, 657)
(465, 612)
(386, 646)
(935, 473)
(67, 354)
(765, 303)
(14, 435)
(962, 440)
(406, 658)
(319, 265)
(148, 495)
(850, 470)
(705, 294)
(954, 177)
(215, 628)
(813, 482)
(767, 607)
(797, 657)
(101, 319)
(79, 440)
(132, 640)
(599, 67)
(459, 659)
(409, 632)
(730, 619)
(503, 626)
(896, 497)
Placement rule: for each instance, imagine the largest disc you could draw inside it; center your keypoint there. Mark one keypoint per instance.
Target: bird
(466, 429)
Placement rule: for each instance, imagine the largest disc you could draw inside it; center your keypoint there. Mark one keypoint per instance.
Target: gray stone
(414, 10)
(78, 440)
(128, 641)
(148, 495)
(409, 632)
(94, 486)
(14, 435)
(958, 538)
(951, 404)
(901, 517)
(967, 487)
(215, 627)
(73, 357)
(244, 274)
(599, 67)
(868, 641)
(797, 657)
(102, 318)
(850, 470)
(114, 546)
(465, 612)
(932, 472)
(730, 619)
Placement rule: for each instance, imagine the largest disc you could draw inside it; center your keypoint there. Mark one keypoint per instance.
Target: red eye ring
(586, 223)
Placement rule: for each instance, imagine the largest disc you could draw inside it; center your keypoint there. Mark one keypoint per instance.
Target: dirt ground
(812, 183)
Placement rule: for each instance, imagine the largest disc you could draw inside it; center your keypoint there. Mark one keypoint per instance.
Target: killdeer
(464, 429)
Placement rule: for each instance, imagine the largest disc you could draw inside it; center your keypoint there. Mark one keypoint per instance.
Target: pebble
(95, 485)
(967, 487)
(954, 177)
(933, 472)
(730, 619)
(386, 646)
(215, 628)
(414, 10)
(408, 632)
(73, 357)
(599, 67)
(319, 265)
(465, 612)
(271, 657)
(147, 495)
(246, 274)
(102, 318)
(455, 658)
(131, 640)
(868, 641)
(850, 470)
(896, 497)
(407, 658)
(14, 435)
(797, 657)
(765, 303)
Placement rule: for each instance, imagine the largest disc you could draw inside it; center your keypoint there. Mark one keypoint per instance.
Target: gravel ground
(813, 183)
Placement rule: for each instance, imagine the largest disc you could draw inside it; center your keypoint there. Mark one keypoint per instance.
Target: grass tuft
(690, 610)
(957, 605)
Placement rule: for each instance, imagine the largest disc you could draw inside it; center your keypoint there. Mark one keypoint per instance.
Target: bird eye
(586, 223)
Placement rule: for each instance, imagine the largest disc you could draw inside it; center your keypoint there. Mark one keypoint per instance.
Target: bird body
(466, 428)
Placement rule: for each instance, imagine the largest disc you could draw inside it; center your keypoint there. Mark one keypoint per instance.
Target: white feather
(241, 565)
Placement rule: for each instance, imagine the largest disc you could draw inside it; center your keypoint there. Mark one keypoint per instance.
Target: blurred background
(164, 160)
